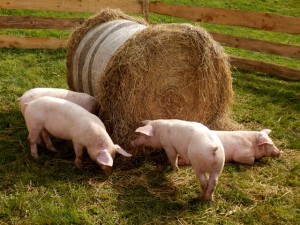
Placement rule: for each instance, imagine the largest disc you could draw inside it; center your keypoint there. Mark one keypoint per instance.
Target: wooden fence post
(146, 9)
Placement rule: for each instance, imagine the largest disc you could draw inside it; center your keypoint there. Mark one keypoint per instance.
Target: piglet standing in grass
(84, 100)
(192, 141)
(69, 121)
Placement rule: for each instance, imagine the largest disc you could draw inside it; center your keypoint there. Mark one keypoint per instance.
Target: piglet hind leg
(212, 183)
(203, 183)
(47, 140)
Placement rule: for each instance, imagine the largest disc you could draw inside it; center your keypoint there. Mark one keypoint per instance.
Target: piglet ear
(105, 158)
(267, 131)
(147, 130)
(122, 151)
(264, 139)
(144, 122)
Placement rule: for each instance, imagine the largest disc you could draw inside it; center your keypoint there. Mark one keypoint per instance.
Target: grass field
(52, 191)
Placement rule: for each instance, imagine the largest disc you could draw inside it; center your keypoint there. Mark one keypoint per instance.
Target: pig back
(58, 116)
(84, 100)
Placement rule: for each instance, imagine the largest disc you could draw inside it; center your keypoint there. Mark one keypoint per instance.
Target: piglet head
(147, 137)
(105, 160)
(266, 144)
(105, 157)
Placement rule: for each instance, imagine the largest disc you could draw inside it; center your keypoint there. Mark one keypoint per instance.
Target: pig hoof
(78, 165)
(208, 198)
(205, 197)
(35, 156)
(176, 168)
(108, 170)
(53, 149)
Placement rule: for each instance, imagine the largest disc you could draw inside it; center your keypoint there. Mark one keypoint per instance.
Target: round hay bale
(160, 71)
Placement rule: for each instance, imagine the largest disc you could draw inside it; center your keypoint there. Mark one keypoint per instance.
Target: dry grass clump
(164, 71)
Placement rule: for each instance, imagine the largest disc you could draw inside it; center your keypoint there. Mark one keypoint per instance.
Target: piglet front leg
(78, 154)
(33, 149)
(173, 157)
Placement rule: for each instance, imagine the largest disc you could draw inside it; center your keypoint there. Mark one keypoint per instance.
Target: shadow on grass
(148, 194)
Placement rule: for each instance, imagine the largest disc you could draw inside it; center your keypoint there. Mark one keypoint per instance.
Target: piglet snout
(276, 153)
(106, 169)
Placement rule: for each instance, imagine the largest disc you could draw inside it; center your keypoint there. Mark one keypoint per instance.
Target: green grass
(43, 13)
(52, 191)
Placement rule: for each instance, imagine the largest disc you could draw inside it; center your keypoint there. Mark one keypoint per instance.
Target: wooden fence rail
(94, 6)
(268, 68)
(34, 22)
(264, 21)
(258, 45)
(9, 41)
(30, 22)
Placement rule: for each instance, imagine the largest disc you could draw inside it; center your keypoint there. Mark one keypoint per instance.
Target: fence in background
(263, 21)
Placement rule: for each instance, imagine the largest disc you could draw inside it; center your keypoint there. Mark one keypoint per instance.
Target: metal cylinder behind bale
(96, 49)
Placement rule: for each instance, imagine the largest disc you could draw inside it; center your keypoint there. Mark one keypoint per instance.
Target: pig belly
(59, 129)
